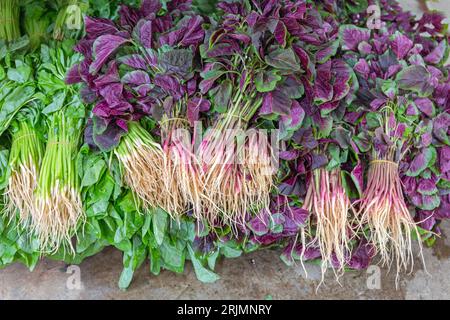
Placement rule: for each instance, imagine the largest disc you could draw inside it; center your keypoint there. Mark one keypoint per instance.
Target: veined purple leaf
(364, 48)
(342, 74)
(430, 202)
(276, 102)
(305, 138)
(426, 106)
(324, 124)
(112, 93)
(357, 176)
(110, 76)
(266, 81)
(318, 160)
(362, 67)
(284, 59)
(293, 121)
(412, 110)
(104, 47)
(427, 187)
(292, 87)
(280, 33)
(323, 88)
(145, 30)
(361, 256)
(299, 216)
(420, 162)
(260, 224)
(327, 107)
(326, 53)
(176, 61)
(150, 7)
(106, 134)
(351, 36)
(129, 17)
(222, 96)
(441, 125)
(96, 27)
(415, 78)
(169, 84)
(73, 75)
(444, 159)
(136, 77)
(193, 33)
(401, 45)
(289, 155)
(195, 106)
(437, 55)
(134, 60)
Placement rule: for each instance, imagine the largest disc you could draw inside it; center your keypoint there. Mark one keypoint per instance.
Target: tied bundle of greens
(130, 75)
(24, 162)
(9, 20)
(58, 203)
(382, 208)
(142, 160)
(58, 207)
(234, 172)
(330, 206)
(36, 22)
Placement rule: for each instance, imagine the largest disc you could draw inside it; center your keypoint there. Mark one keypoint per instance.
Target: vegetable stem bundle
(234, 168)
(182, 181)
(143, 162)
(384, 211)
(327, 201)
(9, 20)
(24, 161)
(58, 201)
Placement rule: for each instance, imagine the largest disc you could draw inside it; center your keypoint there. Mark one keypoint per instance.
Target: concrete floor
(260, 275)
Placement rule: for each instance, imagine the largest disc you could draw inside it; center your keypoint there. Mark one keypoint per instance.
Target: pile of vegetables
(190, 130)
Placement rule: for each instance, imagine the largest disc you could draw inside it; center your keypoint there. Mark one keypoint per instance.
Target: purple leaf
(441, 126)
(136, 77)
(351, 36)
(438, 53)
(361, 256)
(420, 162)
(427, 187)
(195, 106)
(280, 33)
(145, 33)
(426, 106)
(284, 59)
(323, 88)
(444, 159)
(289, 155)
(415, 78)
(150, 7)
(96, 27)
(293, 121)
(357, 176)
(401, 45)
(326, 53)
(73, 75)
(260, 224)
(104, 47)
(276, 102)
(135, 61)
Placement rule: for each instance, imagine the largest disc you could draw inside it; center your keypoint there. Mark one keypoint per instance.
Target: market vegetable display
(193, 130)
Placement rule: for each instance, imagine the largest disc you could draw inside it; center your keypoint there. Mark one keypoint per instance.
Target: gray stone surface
(255, 276)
